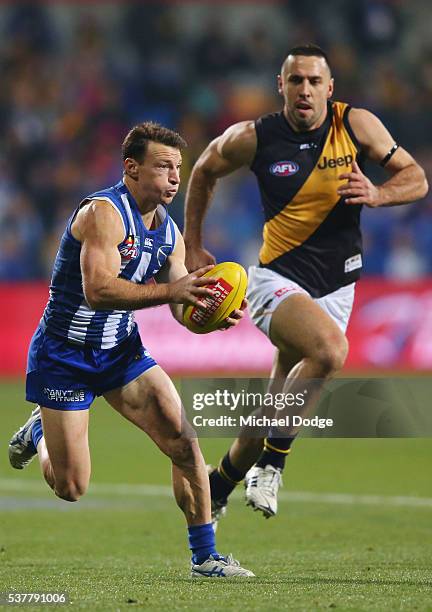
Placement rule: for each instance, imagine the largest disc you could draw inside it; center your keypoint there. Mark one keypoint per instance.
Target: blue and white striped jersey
(143, 253)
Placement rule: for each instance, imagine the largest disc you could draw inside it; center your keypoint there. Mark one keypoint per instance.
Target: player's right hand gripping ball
(229, 293)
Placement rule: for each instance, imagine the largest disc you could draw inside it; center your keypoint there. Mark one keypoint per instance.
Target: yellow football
(230, 291)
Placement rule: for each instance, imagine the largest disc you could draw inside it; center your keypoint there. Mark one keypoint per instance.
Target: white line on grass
(146, 490)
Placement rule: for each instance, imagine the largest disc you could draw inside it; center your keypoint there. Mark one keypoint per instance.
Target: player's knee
(330, 355)
(70, 489)
(183, 451)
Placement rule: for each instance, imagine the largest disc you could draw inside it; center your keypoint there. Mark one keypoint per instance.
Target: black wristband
(389, 155)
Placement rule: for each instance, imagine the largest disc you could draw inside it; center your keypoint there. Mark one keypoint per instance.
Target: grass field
(354, 530)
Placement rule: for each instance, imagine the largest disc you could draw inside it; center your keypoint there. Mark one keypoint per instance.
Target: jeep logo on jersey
(332, 162)
(284, 168)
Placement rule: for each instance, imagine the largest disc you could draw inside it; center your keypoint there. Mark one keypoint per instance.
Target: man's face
(158, 176)
(305, 84)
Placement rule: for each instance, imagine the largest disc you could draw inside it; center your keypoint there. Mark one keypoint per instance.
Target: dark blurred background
(76, 76)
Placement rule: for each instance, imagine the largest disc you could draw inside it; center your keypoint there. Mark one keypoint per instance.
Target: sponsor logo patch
(284, 168)
(333, 162)
(65, 395)
(162, 253)
(280, 292)
(353, 263)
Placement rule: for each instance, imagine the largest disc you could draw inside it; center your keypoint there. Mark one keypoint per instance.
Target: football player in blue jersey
(88, 345)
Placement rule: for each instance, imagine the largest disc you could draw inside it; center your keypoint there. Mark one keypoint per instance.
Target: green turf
(127, 546)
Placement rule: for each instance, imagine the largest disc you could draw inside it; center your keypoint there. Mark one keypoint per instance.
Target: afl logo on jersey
(129, 248)
(284, 168)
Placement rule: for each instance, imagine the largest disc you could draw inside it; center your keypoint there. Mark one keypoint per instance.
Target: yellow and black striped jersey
(310, 235)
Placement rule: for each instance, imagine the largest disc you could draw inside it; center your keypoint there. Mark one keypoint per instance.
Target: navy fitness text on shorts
(65, 376)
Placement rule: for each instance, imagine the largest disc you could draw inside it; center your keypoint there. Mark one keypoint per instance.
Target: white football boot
(21, 449)
(262, 486)
(224, 567)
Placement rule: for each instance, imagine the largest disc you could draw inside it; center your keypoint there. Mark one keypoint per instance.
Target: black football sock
(275, 452)
(224, 479)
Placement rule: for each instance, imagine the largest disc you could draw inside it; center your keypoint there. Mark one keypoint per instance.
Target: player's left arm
(174, 268)
(407, 181)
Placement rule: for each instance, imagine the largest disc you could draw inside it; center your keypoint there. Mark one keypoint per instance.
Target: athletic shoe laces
(269, 480)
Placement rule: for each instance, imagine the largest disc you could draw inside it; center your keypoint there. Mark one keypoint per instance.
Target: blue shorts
(66, 376)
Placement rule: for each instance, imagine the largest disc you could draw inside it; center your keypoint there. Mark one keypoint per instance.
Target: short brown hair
(136, 142)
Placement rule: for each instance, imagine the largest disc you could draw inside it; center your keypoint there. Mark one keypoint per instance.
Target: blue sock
(36, 433)
(202, 542)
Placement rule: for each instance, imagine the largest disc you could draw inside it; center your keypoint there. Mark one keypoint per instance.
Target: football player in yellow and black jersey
(308, 163)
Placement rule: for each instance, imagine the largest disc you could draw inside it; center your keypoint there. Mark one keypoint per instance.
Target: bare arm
(234, 149)
(407, 181)
(99, 229)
